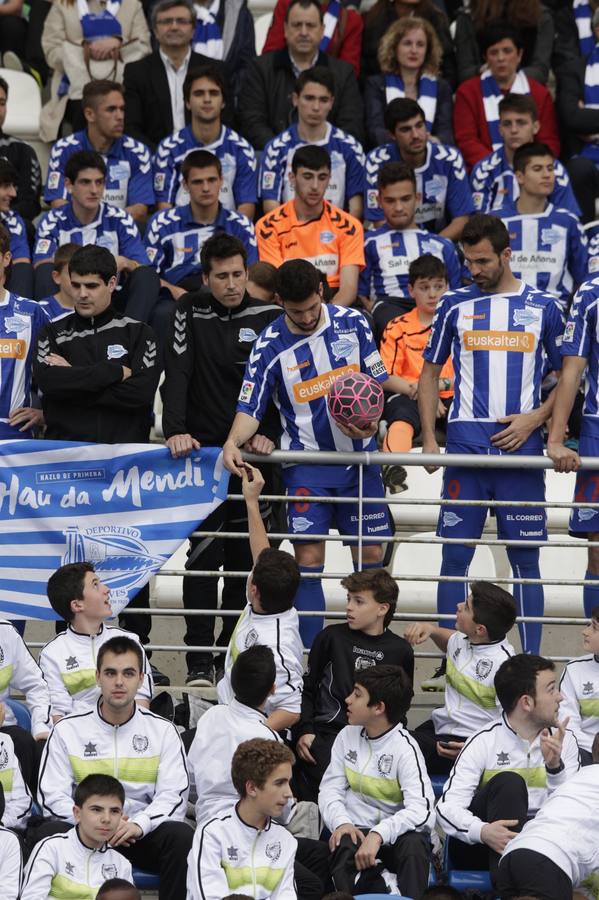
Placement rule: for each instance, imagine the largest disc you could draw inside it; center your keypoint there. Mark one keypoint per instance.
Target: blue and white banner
(125, 508)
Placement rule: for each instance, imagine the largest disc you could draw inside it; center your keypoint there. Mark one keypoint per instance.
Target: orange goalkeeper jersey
(335, 239)
(402, 346)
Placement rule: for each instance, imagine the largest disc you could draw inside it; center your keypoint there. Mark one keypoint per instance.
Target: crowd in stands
(408, 191)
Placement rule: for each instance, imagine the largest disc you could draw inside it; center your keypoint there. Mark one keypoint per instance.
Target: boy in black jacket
(337, 653)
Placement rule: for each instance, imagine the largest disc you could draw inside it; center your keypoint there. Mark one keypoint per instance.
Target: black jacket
(573, 119)
(265, 107)
(29, 185)
(336, 655)
(207, 348)
(148, 111)
(89, 401)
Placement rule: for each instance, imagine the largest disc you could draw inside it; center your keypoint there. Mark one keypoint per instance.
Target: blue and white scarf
(492, 96)
(427, 94)
(208, 38)
(591, 79)
(583, 18)
(331, 17)
(100, 25)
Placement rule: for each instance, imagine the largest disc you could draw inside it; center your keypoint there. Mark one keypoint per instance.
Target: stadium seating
(145, 881)
(21, 713)
(465, 879)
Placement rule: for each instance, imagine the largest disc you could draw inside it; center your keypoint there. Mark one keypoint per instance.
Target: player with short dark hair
(295, 364)
(500, 360)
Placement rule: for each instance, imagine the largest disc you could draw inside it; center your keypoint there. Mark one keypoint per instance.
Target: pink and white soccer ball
(356, 399)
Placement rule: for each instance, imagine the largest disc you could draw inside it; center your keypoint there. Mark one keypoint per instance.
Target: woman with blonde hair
(409, 56)
(86, 40)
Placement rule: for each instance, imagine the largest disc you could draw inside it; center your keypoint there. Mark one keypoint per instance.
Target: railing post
(360, 510)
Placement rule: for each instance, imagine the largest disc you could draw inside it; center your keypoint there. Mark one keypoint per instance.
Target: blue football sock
(365, 566)
(310, 596)
(530, 598)
(590, 593)
(455, 561)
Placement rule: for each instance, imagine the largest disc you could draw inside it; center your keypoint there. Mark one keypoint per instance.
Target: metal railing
(362, 459)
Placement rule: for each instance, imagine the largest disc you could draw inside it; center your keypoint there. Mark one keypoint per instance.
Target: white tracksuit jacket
(145, 754)
(19, 670)
(470, 700)
(61, 867)
(490, 751)
(380, 783)
(280, 632)
(218, 734)
(68, 663)
(565, 828)
(11, 864)
(579, 685)
(229, 857)
(17, 799)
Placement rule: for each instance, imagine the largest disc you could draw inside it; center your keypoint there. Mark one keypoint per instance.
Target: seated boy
(244, 850)
(62, 300)
(76, 863)
(223, 727)
(118, 889)
(270, 617)
(375, 797)
(16, 796)
(402, 345)
(474, 653)
(11, 859)
(68, 661)
(508, 769)
(579, 687)
(338, 652)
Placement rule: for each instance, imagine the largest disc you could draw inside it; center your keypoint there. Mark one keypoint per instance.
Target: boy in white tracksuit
(77, 863)
(68, 661)
(473, 653)
(579, 686)
(244, 851)
(11, 864)
(375, 797)
(557, 851)
(143, 750)
(17, 800)
(506, 771)
(270, 617)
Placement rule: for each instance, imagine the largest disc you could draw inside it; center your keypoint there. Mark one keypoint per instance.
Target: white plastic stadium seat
(261, 26)
(24, 105)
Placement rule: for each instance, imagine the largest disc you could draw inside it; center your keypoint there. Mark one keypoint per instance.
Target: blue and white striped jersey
(581, 338)
(347, 166)
(591, 230)
(20, 323)
(174, 240)
(17, 230)
(500, 345)
(297, 371)
(549, 249)
(388, 254)
(237, 159)
(112, 228)
(441, 182)
(54, 309)
(128, 165)
(494, 185)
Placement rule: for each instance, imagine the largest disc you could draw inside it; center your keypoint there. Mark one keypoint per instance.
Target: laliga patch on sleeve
(268, 180)
(151, 251)
(115, 351)
(159, 181)
(53, 180)
(372, 198)
(477, 199)
(245, 394)
(594, 264)
(42, 247)
(569, 332)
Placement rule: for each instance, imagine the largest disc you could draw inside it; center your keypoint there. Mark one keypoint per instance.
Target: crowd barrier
(416, 567)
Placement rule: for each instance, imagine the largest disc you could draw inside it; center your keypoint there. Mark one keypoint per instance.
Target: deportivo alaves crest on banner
(126, 508)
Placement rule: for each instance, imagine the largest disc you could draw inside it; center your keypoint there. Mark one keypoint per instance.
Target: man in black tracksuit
(98, 374)
(210, 339)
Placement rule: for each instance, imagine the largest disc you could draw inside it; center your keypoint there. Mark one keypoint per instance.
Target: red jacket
(470, 126)
(346, 42)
